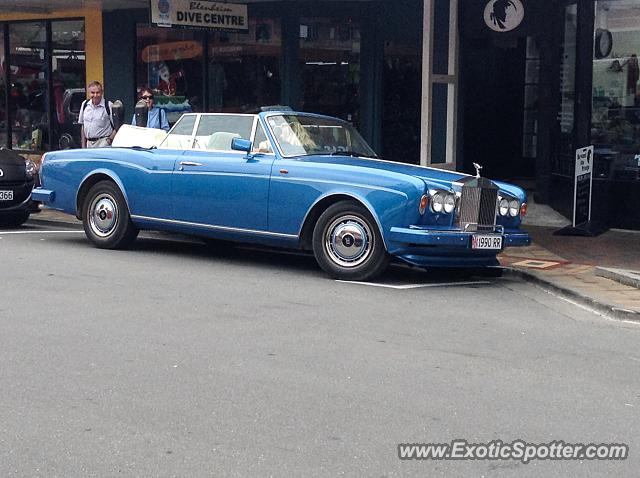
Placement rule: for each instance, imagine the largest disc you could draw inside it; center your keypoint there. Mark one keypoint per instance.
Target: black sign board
(582, 186)
(582, 224)
(501, 18)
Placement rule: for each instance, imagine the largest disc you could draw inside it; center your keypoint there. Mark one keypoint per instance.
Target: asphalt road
(174, 359)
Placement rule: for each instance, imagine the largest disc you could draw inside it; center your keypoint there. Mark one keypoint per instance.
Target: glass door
(330, 67)
(3, 92)
(28, 100)
(68, 80)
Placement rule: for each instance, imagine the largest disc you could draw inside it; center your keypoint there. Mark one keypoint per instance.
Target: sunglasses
(147, 97)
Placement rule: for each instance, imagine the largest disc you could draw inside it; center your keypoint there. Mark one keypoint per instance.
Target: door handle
(188, 163)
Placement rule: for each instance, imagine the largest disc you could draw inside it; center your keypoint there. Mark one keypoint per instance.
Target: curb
(55, 222)
(624, 276)
(604, 308)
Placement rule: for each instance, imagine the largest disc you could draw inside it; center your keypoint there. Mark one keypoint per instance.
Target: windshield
(299, 135)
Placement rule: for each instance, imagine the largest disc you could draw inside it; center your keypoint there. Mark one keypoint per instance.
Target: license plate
(486, 241)
(6, 195)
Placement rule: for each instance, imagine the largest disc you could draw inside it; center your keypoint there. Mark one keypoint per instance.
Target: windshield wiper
(352, 153)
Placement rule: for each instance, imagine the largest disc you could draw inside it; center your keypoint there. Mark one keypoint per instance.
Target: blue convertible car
(286, 179)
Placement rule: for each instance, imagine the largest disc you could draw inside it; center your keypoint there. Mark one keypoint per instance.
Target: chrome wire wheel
(103, 215)
(348, 241)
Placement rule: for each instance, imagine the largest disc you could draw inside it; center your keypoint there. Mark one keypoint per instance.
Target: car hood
(12, 165)
(433, 177)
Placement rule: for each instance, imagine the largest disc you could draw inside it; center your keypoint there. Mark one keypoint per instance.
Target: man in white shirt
(96, 119)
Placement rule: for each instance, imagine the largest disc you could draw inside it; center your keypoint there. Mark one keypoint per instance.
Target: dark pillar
(371, 65)
(584, 72)
(548, 94)
(290, 85)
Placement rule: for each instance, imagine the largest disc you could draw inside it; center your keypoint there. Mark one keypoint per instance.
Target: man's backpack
(106, 107)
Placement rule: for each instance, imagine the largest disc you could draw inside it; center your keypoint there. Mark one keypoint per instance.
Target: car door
(215, 185)
(151, 198)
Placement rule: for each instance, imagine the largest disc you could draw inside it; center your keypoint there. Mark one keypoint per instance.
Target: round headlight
(449, 203)
(514, 208)
(503, 207)
(438, 203)
(30, 168)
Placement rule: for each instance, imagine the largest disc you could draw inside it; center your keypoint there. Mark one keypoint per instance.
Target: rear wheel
(106, 219)
(347, 243)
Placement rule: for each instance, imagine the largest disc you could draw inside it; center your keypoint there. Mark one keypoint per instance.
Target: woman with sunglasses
(156, 117)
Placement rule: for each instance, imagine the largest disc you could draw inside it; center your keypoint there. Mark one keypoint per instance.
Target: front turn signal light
(523, 209)
(424, 202)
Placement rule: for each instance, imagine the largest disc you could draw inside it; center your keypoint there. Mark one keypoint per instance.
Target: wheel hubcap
(103, 215)
(348, 241)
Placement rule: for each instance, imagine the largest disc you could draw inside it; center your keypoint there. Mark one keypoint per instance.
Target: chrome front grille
(478, 205)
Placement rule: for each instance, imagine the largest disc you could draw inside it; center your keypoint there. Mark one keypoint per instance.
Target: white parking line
(417, 286)
(4, 233)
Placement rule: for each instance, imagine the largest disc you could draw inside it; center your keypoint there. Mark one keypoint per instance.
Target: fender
(107, 172)
(367, 205)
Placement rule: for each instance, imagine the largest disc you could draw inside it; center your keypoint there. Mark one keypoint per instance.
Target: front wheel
(106, 219)
(347, 243)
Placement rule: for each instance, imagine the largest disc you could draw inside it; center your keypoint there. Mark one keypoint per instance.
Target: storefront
(599, 104)
(45, 61)
(542, 79)
(537, 80)
(357, 60)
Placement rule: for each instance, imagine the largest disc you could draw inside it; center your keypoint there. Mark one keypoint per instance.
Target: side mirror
(239, 144)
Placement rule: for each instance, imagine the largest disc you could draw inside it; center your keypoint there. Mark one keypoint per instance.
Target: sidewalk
(576, 266)
(566, 265)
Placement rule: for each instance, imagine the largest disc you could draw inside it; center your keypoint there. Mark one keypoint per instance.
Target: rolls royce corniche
(17, 179)
(286, 179)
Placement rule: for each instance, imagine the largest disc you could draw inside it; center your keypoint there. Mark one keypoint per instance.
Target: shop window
(531, 86)
(68, 79)
(615, 121)
(401, 113)
(565, 160)
(330, 67)
(170, 63)
(244, 68)
(28, 90)
(3, 92)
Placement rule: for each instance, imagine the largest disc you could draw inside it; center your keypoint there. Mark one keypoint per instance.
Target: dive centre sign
(200, 14)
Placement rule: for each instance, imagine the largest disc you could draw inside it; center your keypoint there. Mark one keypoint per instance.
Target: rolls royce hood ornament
(478, 168)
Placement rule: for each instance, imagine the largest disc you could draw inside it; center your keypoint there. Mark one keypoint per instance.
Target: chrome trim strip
(497, 229)
(215, 228)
